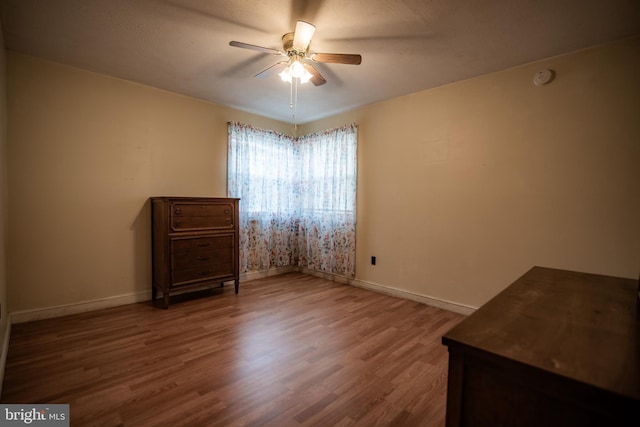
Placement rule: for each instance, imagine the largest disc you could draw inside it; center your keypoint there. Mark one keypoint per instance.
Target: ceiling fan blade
(337, 58)
(254, 47)
(316, 78)
(275, 68)
(302, 35)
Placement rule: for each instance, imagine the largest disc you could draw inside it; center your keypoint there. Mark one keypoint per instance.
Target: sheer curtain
(298, 198)
(262, 172)
(327, 219)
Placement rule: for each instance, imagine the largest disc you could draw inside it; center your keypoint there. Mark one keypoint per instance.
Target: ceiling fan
(299, 62)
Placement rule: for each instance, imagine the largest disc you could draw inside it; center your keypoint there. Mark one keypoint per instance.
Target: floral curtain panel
(298, 198)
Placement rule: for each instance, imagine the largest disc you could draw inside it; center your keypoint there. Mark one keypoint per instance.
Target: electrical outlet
(373, 260)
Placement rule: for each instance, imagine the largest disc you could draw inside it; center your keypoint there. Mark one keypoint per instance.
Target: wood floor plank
(287, 350)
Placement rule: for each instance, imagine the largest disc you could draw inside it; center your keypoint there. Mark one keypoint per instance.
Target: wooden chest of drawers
(194, 243)
(555, 348)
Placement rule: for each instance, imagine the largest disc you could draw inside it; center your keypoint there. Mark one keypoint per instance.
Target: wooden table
(555, 348)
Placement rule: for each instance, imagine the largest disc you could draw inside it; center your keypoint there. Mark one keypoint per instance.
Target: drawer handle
(178, 223)
(227, 211)
(178, 211)
(204, 245)
(204, 273)
(227, 221)
(203, 258)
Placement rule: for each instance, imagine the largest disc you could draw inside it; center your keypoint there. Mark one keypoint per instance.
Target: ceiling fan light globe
(306, 76)
(285, 75)
(296, 69)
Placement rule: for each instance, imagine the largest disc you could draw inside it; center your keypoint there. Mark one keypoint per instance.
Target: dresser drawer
(204, 273)
(202, 258)
(196, 259)
(180, 245)
(186, 216)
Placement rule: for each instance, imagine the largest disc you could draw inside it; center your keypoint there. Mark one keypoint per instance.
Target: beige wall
(463, 188)
(85, 151)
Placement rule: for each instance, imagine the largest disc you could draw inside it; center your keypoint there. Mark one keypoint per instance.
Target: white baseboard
(81, 307)
(333, 277)
(252, 275)
(5, 352)
(424, 299)
(395, 292)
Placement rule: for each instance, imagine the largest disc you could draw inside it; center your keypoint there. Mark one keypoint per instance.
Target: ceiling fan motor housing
(287, 42)
(293, 53)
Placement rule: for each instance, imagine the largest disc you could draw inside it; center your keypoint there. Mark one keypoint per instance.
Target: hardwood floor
(287, 350)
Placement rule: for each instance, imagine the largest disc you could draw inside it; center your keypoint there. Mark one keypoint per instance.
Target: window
(298, 198)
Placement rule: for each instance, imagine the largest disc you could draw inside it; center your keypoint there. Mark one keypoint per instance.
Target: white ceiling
(406, 45)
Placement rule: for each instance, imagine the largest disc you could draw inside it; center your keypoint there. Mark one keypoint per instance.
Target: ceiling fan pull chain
(295, 100)
(291, 93)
